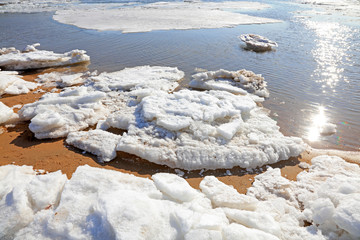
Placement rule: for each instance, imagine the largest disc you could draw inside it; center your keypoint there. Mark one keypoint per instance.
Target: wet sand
(19, 146)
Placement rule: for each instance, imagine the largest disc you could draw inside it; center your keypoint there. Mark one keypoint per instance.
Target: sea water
(313, 76)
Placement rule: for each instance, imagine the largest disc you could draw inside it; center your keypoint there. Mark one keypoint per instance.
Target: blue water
(314, 73)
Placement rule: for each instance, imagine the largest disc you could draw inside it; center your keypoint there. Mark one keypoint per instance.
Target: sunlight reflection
(317, 122)
(330, 52)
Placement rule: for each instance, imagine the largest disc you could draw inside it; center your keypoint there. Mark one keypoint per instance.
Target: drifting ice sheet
(11, 83)
(162, 16)
(104, 204)
(237, 82)
(34, 59)
(196, 130)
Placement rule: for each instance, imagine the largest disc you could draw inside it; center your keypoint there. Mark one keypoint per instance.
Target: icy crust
(103, 204)
(136, 78)
(31, 58)
(97, 142)
(163, 16)
(56, 79)
(12, 83)
(237, 82)
(7, 114)
(257, 42)
(57, 114)
(195, 130)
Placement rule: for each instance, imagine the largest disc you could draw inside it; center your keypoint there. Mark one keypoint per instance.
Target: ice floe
(7, 115)
(104, 204)
(57, 114)
(216, 129)
(237, 82)
(257, 43)
(33, 58)
(11, 83)
(163, 16)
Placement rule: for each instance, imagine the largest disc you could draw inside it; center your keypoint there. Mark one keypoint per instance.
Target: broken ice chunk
(12, 83)
(98, 142)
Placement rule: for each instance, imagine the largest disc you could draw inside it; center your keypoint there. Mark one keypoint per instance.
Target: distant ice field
(312, 76)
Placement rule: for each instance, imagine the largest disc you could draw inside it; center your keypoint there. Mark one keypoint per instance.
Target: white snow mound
(33, 58)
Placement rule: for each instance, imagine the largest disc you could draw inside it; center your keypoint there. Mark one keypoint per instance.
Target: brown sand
(18, 146)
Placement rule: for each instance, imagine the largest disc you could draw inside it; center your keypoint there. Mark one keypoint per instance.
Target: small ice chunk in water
(327, 129)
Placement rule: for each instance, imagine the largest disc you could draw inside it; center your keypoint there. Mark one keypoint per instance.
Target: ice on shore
(33, 58)
(11, 83)
(104, 204)
(163, 16)
(7, 114)
(97, 142)
(237, 82)
(206, 130)
(57, 114)
(56, 79)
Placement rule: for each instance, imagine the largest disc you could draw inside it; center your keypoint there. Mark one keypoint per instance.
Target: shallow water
(313, 76)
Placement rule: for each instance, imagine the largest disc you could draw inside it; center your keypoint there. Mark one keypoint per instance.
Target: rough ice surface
(163, 16)
(257, 42)
(98, 142)
(237, 82)
(56, 79)
(12, 83)
(7, 115)
(104, 204)
(33, 59)
(206, 130)
(23, 194)
(57, 114)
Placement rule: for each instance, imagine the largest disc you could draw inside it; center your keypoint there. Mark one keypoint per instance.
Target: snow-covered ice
(237, 82)
(97, 142)
(7, 115)
(56, 79)
(11, 83)
(163, 16)
(195, 130)
(57, 114)
(257, 42)
(33, 58)
(104, 204)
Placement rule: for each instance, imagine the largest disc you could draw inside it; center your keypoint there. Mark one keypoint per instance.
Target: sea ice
(237, 82)
(97, 142)
(257, 43)
(104, 204)
(162, 16)
(7, 115)
(195, 130)
(12, 83)
(33, 58)
(57, 114)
